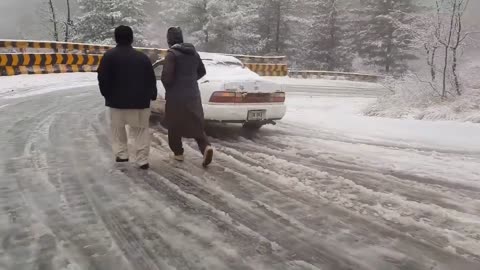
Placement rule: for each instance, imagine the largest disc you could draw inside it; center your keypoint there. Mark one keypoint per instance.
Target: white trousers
(138, 123)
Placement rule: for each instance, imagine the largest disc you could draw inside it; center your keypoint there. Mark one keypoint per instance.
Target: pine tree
(99, 18)
(274, 26)
(385, 38)
(206, 22)
(328, 43)
(298, 21)
(246, 37)
(236, 26)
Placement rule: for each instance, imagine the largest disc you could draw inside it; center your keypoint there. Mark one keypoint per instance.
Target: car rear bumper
(232, 113)
(238, 113)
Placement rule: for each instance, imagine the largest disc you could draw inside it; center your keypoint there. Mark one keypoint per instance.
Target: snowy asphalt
(262, 205)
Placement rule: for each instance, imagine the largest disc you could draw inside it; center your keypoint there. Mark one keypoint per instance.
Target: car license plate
(257, 115)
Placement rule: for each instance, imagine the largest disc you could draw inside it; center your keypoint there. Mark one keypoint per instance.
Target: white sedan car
(232, 93)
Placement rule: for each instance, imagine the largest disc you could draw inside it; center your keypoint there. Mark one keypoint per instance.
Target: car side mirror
(158, 68)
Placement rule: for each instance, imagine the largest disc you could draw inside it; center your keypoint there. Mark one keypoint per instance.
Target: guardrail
(269, 69)
(249, 59)
(27, 46)
(24, 45)
(46, 59)
(332, 75)
(43, 57)
(18, 64)
(30, 70)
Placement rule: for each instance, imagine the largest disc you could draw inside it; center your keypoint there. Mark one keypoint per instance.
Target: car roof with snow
(223, 67)
(211, 58)
(226, 68)
(216, 58)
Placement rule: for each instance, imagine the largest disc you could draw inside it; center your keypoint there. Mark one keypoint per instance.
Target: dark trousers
(176, 145)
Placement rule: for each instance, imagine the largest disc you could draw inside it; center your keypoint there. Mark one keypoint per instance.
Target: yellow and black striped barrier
(48, 69)
(65, 46)
(24, 46)
(43, 57)
(15, 60)
(269, 69)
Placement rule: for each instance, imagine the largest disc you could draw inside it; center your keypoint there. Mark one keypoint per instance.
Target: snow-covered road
(324, 189)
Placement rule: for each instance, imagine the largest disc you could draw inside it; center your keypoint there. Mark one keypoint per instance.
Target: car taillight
(278, 97)
(238, 97)
(223, 97)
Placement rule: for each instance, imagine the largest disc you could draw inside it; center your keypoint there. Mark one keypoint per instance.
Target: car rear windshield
(211, 62)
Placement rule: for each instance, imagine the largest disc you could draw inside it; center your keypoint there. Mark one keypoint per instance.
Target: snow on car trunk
(252, 86)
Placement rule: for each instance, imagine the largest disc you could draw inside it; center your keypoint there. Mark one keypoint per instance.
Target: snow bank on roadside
(465, 108)
(28, 85)
(417, 100)
(324, 82)
(343, 119)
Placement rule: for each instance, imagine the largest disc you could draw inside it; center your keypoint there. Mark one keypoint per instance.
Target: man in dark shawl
(183, 67)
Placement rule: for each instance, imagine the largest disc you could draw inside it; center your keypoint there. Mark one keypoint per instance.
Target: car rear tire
(253, 126)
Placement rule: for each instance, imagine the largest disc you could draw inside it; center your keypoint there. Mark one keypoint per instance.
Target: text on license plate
(257, 115)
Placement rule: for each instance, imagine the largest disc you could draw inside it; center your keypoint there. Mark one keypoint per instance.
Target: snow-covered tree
(246, 37)
(274, 24)
(205, 21)
(384, 36)
(441, 32)
(51, 21)
(99, 18)
(328, 40)
(68, 24)
(217, 26)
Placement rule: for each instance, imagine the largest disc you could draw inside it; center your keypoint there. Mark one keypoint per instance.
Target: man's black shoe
(145, 167)
(121, 160)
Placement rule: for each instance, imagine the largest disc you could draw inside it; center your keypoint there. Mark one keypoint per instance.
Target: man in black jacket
(184, 112)
(127, 81)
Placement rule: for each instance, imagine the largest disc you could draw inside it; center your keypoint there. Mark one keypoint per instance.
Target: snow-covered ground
(324, 87)
(29, 85)
(414, 99)
(344, 116)
(327, 188)
(465, 108)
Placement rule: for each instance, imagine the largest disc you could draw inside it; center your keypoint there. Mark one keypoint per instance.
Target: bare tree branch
(53, 20)
(429, 83)
(68, 23)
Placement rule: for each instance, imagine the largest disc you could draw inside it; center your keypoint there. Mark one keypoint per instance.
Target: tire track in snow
(123, 226)
(69, 212)
(26, 241)
(131, 232)
(290, 202)
(368, 177)
(261, 223)
(311, 175)
(306, 149)
(295, 146)
(208, 245)
(82, 210)
(331, 135)
(246, 244)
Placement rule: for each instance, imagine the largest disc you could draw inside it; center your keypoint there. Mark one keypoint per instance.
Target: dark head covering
(124, 35)
(174, 36)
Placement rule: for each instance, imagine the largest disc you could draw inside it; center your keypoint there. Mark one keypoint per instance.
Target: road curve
(66, 205)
